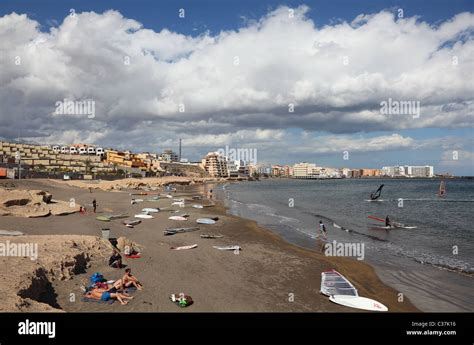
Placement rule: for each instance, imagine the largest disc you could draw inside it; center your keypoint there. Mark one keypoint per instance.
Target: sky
(336, 83)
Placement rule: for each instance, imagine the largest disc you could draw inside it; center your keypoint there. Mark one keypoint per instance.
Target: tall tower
(179, 154)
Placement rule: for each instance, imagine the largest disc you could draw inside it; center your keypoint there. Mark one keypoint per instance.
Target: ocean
(432, 264)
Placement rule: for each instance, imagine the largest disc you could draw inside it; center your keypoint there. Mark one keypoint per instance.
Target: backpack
(96, 278)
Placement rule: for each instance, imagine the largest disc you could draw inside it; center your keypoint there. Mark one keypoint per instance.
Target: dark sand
(267, 275)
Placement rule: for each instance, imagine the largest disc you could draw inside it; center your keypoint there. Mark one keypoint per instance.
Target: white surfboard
(233, 247)
(143, 216)
(205, 221)
(177, 218)
(358, 302)
(150, 210)
(198, 206)
(185, 247)
(10, 233)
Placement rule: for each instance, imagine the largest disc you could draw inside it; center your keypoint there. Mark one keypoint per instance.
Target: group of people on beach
(117, 290)
(83, 210)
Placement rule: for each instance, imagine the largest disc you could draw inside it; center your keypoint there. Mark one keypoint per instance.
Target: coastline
(422, 282)
(269, 274)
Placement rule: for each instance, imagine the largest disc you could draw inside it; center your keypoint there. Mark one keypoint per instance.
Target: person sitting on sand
(115, 260)
(105, 295)
(129, 280)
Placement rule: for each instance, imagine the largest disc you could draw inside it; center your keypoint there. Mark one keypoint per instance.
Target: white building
(215, 164)
(304, 170)
(408, 171)
(168, 156)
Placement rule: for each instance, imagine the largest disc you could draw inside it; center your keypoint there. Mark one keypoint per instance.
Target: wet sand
(269, 274)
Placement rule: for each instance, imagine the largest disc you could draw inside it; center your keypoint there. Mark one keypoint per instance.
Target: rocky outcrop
(134, 183)
(32, 203)
(26, 284)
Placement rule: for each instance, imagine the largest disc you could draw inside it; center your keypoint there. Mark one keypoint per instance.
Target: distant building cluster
(408, 171)
(81, 158)
(217, 165)
(90, 159)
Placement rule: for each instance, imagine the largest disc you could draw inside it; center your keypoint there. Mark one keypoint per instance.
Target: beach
(267, 275)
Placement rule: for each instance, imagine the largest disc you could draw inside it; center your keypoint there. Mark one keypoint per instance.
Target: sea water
(432, 264)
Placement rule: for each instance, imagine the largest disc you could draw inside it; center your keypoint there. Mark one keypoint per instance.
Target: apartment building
(408, 171)
(215, 165)
(168, 156)
(48, 158)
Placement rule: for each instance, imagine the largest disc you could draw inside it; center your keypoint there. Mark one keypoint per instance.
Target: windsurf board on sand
(115, 216)
(103, 218)
(10, 233)
(150, 210)
(143, 216)
(130, 223)
(173, 231)
(198, 206)
(205, 221)
(358, 302)
(211, 236)
(177, 218)
(185, 247)
(234, 247)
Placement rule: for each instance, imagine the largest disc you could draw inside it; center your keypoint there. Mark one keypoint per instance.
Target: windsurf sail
(394, 224)
(334, 283)
(375, 195)
(442, 189)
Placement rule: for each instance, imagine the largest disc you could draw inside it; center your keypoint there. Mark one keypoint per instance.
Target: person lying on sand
(105, 295)
(129, 280)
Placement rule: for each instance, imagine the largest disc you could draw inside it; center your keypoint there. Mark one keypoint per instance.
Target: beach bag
(97, 278)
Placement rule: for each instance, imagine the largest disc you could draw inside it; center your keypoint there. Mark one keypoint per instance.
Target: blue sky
(216, 15)
(337, 108)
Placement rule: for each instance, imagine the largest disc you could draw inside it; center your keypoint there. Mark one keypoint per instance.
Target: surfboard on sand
(10, 233)
(103, 218)
(185, 247)
(358, 302)
(211, 236)
(150, 210)
(198, 206)
(131, 222)
(173, 231)
(177, 218)
(233, 247)
(143, 216)
(205, 221)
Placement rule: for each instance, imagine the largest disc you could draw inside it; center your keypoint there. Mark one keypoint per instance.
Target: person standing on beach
(388, 223)
(94, 205)
(322, 229)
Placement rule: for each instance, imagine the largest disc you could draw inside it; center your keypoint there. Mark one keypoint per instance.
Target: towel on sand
(86, 299)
